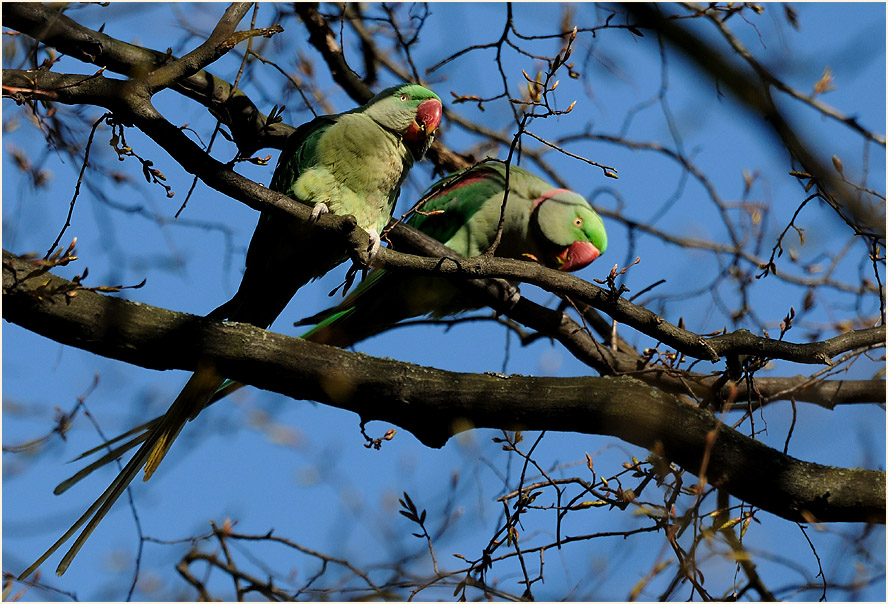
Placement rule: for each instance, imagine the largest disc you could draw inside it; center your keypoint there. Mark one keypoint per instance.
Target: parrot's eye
(578, 222)
(404, 97)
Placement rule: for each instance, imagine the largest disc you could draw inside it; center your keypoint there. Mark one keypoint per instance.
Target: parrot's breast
(359, 171)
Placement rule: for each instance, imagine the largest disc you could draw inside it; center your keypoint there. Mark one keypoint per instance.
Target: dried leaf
(825, 83)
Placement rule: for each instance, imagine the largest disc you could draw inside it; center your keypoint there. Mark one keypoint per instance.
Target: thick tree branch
(220, 41)
(48, 25)
(433, 404)
(828, 394)
(44, 85)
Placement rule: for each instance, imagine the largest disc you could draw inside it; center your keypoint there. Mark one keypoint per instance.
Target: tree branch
(48, 25)
(433, 404)
(219, 42)
(828, 394)
(755, 95)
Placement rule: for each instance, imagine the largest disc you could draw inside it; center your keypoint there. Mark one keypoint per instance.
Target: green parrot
(349, 163)
(555, 227)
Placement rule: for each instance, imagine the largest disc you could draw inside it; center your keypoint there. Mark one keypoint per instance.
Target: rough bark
(434, 404)
(47, 24)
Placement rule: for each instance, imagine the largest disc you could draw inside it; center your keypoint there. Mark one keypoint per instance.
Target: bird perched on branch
(349, 163)
(555, 227)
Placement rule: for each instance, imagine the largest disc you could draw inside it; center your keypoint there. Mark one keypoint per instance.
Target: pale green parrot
(349, 163)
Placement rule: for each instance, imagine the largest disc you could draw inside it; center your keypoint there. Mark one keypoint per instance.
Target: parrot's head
(571, 229)
(410, 110)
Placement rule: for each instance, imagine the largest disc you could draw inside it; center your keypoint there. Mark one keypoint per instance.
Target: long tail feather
(139, 434)
(111, 494)
(157, 442)
(107, 458)
(141, 428)
(188, 404)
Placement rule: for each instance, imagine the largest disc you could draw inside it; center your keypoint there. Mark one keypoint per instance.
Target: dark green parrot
(555, 227)
(349, 163)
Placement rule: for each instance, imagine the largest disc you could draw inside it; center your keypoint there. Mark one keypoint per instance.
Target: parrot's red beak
(428, 117)
(577, 255)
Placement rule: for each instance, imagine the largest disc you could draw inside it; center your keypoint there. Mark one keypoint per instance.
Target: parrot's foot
(511, 295)
(373, 249)
(318, 210)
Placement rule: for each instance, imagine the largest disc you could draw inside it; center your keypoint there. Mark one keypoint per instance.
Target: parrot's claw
(373, 248)
(511, 295)
(318, 210)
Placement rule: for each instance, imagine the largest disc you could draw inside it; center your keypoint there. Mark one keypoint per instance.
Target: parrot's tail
(155, 442)
(139, 434)
(332, 330)
(191, 401)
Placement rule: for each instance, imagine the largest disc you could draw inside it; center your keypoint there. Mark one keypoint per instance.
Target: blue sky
(301, 468)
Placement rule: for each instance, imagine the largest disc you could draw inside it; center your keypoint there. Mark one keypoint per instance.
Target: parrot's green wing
(299, 152)
(277, 262)
(350, 163)
(455, 199)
